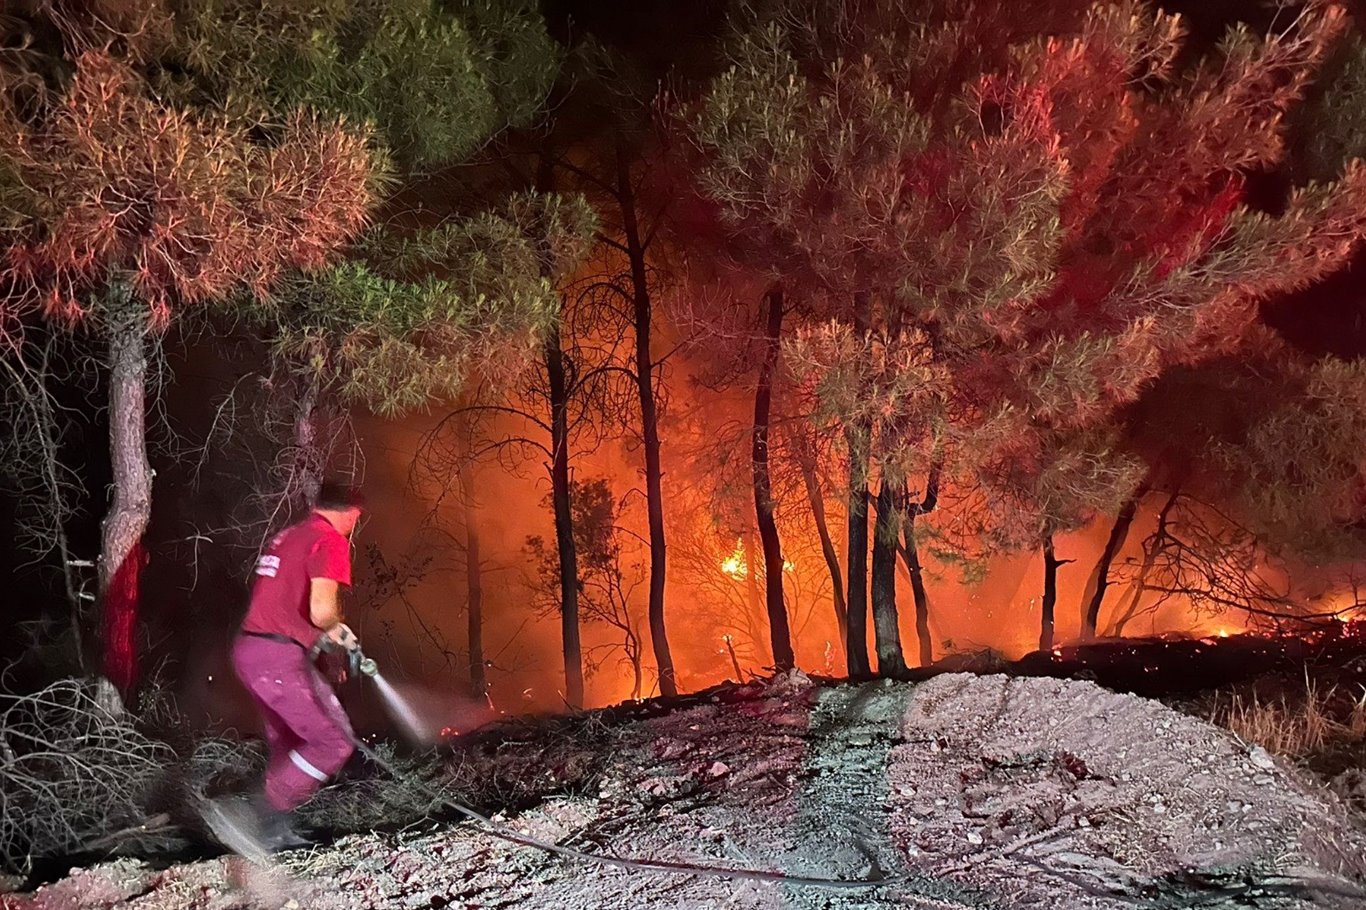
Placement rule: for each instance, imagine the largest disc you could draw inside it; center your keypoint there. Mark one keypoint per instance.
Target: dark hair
(338, 497)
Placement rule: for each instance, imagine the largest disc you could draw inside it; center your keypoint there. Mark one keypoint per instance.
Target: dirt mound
(967, 792)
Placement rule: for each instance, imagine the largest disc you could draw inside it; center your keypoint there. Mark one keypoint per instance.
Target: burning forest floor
(961, 791)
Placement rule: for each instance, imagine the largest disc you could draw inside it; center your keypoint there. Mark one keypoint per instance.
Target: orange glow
(734, 564)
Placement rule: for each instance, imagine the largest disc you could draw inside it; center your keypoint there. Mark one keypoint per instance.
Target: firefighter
(294, 612)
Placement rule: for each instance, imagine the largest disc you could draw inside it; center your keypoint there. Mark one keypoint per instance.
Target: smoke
(714, 612)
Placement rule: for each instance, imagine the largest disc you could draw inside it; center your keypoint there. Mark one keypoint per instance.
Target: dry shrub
(389, 798)
(1297, 728)
(71, 771)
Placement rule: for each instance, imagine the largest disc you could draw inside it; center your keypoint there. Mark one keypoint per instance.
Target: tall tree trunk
(649, 423)
(122, 552)
(778, 631)
(856, 594)
(816, 497)
(564, 522)
(1050, 593)
(558, 388)
(1099, 581)
(474, 587)
(886, 624)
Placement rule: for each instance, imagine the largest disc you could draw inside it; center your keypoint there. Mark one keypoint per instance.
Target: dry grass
(1298, 728)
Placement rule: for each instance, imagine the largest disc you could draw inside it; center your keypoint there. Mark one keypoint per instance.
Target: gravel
(961, 792)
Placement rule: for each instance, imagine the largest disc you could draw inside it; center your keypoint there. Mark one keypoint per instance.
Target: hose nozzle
(368, 666)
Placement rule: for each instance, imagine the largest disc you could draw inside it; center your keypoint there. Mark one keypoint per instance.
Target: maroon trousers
(307, 732)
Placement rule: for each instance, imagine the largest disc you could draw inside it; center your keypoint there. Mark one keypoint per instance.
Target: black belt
(273, 636)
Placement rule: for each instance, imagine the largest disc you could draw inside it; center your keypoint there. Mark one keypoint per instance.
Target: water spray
(398, 707)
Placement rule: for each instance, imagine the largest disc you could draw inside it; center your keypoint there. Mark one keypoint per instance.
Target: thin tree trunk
(1099, 582)
(564, 522)
(816, 497)
(1126, 613)
(886, 624)
(911, 553)
(856, 593)
(649, 424)
(778, 631)
(122, 552)
(1050, 593)
(558, 389)
(637, 670)
(474, 588)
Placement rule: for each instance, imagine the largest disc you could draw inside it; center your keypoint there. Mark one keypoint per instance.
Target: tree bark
(1099, 582)
(474, 588)
(1050, 593)
(122, 553)
(779, 634)
(832, 559)
(886, 624)
(856, 593)
(649, 424)
(911, 553)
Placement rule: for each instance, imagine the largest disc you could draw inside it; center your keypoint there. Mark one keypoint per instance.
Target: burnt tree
(1049, 604)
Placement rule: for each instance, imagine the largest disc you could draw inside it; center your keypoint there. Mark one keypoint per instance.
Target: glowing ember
(734, 564)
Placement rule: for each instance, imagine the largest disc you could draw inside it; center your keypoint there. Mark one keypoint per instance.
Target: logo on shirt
(268, 566)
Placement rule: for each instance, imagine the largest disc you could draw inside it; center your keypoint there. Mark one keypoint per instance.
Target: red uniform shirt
(279, 599)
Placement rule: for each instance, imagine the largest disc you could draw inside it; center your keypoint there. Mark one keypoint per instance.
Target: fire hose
(368, 668)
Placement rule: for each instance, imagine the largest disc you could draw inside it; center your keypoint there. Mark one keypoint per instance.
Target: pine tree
(434, 296)
(138, 209)
(1056, 202)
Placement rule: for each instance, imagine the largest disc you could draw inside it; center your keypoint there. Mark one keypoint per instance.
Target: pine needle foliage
(412, 316)
(435, 79)
(1054, 195)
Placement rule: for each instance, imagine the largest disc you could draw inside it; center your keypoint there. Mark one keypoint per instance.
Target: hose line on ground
(640, 865)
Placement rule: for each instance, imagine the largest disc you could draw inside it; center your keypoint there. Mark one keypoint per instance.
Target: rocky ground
(959, 792)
